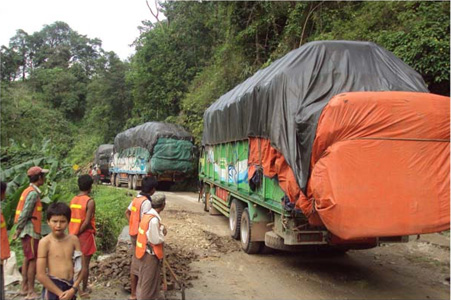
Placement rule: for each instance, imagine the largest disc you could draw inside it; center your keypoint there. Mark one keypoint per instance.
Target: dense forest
(62, 95)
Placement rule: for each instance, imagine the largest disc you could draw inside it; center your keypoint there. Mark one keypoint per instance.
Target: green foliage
(416, 32)
(18, 181)
(109, 101)
(28, 121)
(83, 151)
(61, 90)
(110, 219)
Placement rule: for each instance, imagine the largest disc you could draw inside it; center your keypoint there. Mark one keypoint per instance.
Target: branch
(306, 20)
(153, 14)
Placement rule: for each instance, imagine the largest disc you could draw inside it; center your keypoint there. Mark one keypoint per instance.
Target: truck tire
(112, 179)
(204, 196)
(117, 181)
(129, 182)
(248, 246)
(236, 210)
(273, 241)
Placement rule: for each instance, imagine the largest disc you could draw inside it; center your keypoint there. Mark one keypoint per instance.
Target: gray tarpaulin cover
(103, 153)
(283, 102)
(147, 134)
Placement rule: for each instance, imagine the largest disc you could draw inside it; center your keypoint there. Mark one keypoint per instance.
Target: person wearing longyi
(28, 219)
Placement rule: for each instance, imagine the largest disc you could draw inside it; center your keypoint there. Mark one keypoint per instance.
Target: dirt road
(213, 266)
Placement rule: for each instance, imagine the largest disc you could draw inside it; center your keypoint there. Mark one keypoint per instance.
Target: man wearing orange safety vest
(149, 250)
(83, 224)
(28, 219)
(4, 250)
(139, 205)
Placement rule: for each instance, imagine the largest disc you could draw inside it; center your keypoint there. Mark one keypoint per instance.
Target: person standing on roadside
(4, 250)
(55, 265)
(83, 225)
(28, 219)
(140, 205)
(149, 250)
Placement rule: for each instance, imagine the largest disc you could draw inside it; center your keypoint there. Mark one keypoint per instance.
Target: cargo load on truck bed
(160, 146)
(103, 155)
(352, 134)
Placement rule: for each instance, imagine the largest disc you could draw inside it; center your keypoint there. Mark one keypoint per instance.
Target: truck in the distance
(158, 149)
(100, 170)
(337, 144)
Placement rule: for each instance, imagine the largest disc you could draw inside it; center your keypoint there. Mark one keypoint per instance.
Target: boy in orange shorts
(83, 225)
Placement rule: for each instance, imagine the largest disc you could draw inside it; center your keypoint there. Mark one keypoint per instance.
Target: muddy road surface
(212, 266)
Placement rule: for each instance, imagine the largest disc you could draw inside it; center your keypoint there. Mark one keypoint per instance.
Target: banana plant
(18, 181)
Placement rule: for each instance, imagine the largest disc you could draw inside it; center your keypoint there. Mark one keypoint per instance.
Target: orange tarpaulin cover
(379, 165)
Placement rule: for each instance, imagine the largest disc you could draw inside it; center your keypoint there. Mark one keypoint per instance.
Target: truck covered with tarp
(158, 149)
(337, 143)
(101, 166)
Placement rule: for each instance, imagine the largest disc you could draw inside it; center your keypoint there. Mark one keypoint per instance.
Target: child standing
(55, 267)
(83, 225)
(4, 250)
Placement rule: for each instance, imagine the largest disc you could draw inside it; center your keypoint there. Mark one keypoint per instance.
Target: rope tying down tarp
(402, 139)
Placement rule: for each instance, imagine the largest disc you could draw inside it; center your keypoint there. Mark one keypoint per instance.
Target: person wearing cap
(28, 219)
(141, 204)
(149, 249)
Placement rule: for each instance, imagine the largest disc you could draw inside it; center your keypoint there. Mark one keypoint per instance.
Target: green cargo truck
(265, 165)
(158, 149)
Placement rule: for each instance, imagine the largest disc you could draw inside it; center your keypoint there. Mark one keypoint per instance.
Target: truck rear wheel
(248, 246)
(236, 210)
(117, 180)
(204, 196)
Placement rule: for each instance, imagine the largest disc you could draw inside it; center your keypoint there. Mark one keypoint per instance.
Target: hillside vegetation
(60, 91)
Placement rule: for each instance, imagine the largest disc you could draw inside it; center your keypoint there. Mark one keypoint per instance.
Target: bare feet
(85, 293)
(31, 296)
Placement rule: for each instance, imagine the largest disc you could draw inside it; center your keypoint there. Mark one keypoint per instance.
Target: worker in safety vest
(28, 219)
(149, 249)
(83, 224)
(141, 204)
(4, 250)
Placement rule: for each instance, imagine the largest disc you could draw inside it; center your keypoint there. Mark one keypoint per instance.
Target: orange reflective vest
(36, 217)
(135, 215)
(78, 207)
(141, 241)
(4, 251)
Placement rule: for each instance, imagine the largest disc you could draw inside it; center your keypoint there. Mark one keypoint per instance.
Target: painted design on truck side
(129, 164)
(233, 172)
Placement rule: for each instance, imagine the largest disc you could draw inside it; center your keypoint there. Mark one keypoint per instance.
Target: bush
(111, 204)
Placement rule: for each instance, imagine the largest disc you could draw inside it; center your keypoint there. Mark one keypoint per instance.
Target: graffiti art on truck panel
(139, 164)
(232, 174)
(210, 154)
(237, 173)
(242, 171)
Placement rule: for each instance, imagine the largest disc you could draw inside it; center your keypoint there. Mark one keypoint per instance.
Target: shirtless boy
(55, 266)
